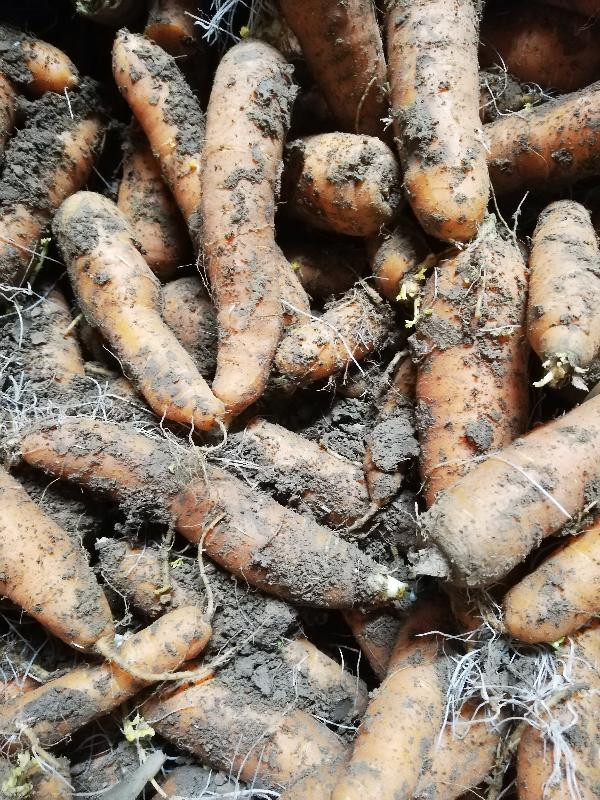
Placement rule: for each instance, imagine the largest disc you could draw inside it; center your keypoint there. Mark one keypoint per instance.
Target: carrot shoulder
(248, 116)
(121, 297)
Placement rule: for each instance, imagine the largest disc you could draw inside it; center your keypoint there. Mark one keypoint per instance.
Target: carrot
(556, 142)
(35, 65)
(564, 290)
(187, 781)
(171, 25)
(500, 93)
(91, 691)
(121, 297)
(325, 266)
(248, 116)
(45, 162)
(16, 687)
(252, 536)
(352, 327)
(342, 46)
(495, 515)
(28, 778)
(576, 716)
(168, 113)
(471, 390)
(44, 570)
(149, 206)
(8, 110)
(434, 87)
(303, 475)
(191, 316)
(391, 444)
(51, 786)
(342, 182)
(249, 740)
(375, 633)
(537, 44)
(560, 595)
(402, 721)
(394, 255)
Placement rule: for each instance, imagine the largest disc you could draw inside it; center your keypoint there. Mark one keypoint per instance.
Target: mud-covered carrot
(564, 291)
(434, 88)
(8, 111)
(269, 546)
(376, 633)
(35, 65)
(149, 206)
(171, 25)
(45, 162)
(325, 266)
(191, 316)
(342, 182)
(121, 297)
(342, 46)
(394, 255)
(248, 116)
(472, 393)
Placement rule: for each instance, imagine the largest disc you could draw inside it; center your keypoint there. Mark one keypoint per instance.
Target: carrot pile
(299, 399)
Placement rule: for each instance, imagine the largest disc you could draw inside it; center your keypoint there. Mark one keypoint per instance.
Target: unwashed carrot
(376, 633)
(8, 111)
(35, 65)
(394, 255)
(190, 314)
(325, 267)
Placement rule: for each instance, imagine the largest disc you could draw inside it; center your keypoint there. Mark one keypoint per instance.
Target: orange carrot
(190, 314)
(325, 266)
(375, 633)
(34, 64)
(171, 25)
(8, 111)
(394, 255)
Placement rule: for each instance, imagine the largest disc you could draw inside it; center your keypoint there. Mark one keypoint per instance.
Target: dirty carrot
(35, 65)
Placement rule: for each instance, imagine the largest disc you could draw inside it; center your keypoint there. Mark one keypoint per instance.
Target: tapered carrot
(556, 142)
(122, 298)
(252, 536)
(342, 182)
(434, 88)
(471, 389)
(149, 206)
(342, 46)
(491, 518)
(88, 692)
(560, 595)
(394, 255)
(168, 113)
(45, 162)
(45, 571)
(8, 111)
(35, 65)
(562, 326)
(248, 116)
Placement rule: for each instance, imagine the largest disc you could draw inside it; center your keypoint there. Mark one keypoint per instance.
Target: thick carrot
(191, 316)
(352, 327)
(90, 691)
(556, 142)
(252, 536)
(45, 571)
(249, 740)
(491, 518)
(8, 110)
(248, 116)
(168, 113)
(325, 266)
(402, 721)
(391, 445)
(472, 393)
(548, 46)
(577, 716)
(121, 297)
(149, 206)
(434, 86)
(35, 65)
(342, 182)
(342, 46)
(394, 255)
(564, 291)
(561, 595)
(45, 162)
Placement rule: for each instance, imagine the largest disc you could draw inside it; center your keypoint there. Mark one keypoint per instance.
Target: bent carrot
(252, 536)
(35, 65)
(352, 327)
(472, 393)
(564, 291)
(556, 142)
(45, 571)
(8, 110)
(89, 692)
(248, 116)
(191, 316)
(121, 297)
(168, 113)
(434, 87)
(560, 595)
(45, 162)
(394, 254)
(342, 46)
(342, 182)
(495, 515)
(149, 206)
